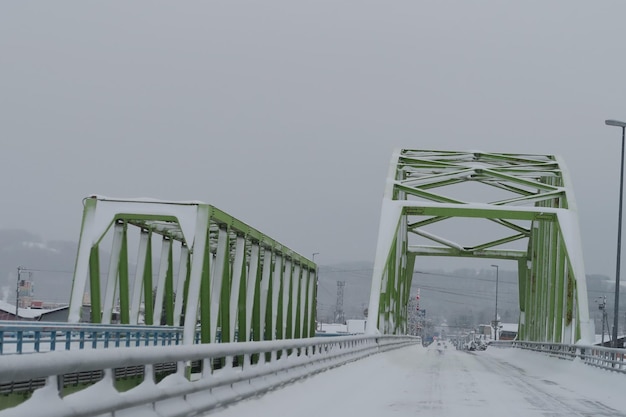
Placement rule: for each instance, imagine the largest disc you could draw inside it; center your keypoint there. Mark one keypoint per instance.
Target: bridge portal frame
(229, 276)
(551, 275)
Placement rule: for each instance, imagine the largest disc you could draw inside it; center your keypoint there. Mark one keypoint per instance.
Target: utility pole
(605, 319)
(495, 319)
(17, 292)
(339, 314)
(621, 124)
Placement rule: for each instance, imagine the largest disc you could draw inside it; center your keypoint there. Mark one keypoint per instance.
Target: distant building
(508, 331)
(332, 329)
(356, 326)
(621, 341)
(484, 330)
(7, 312)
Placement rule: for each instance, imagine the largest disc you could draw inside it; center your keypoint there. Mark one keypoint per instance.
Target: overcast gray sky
(285, 113)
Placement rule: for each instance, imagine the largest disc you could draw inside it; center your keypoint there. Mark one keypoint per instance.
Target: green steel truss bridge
(208, 276)
(241, 285)
(234, 281)
(533, 211)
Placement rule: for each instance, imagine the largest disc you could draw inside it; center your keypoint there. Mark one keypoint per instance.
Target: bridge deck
(418, 381)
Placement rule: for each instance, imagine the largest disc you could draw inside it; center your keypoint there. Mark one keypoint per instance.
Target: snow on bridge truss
(530, 217)
(235, 282)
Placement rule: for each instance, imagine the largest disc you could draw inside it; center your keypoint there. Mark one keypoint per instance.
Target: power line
(462, 277)
(46, 270)
(474, 295)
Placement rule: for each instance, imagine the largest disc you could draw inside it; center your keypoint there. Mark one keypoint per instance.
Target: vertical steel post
(619, 229)
(619, 245)
(495, 318)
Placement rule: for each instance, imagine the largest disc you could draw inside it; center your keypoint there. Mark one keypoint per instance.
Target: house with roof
(8, 312)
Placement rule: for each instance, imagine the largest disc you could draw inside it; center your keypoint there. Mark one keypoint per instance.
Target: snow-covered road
(419, 381)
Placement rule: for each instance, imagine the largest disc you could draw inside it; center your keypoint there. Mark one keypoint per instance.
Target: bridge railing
(28, 337)
(602, 357)
(203, 376)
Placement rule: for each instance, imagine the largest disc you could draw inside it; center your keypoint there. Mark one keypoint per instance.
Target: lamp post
(495, 318)
(619, 230)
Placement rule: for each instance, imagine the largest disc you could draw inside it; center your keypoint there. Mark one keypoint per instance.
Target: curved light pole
(619, 230)
(495, 318)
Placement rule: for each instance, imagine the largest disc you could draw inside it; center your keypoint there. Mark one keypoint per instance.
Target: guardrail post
(53, 340)
(58, 381)
(20, 335)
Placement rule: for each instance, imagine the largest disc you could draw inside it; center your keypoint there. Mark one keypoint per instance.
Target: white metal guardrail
(245, 369)
(602, 357)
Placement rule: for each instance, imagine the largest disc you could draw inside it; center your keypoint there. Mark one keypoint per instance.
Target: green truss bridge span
(241, 285)
(525, 211)
(237, 283)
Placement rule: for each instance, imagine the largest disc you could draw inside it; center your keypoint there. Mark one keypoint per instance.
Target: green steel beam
(169, 290)
(123, 276)
(147, 284)
(94, 285)
(205, 297)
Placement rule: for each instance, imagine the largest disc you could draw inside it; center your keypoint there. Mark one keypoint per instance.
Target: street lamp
(495, 318)
(619, 230)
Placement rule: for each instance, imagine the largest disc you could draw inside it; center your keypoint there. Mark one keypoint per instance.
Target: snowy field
(419, 381)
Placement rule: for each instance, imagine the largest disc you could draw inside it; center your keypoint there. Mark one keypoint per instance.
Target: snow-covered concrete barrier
(602, 357)
(227, 372)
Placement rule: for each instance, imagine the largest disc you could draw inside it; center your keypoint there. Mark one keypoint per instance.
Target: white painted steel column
(109, 296)
(304, 285)
(389, 221)
(160, 285)
(198, 251)
(217, 278)
(180, 284)
(250, 290)
(238, 268)
(287, 278)
(394, 319)
(276, 283)
(82, 265)
(138, 283)
(265, 283)
(295, 302)
(311, 295)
